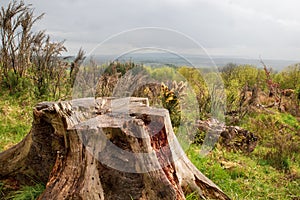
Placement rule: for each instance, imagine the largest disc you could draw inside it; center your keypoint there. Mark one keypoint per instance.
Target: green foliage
(242, 75)
(289, 120)
(196, 81)
(238, 79)
(163, 74)
(199, 137)
(27, 192)
(119, 67)
(278, 133)
(17, 86)
(289, 78)
(171, 102)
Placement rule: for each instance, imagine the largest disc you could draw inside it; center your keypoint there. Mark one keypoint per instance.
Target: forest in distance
(262, 100)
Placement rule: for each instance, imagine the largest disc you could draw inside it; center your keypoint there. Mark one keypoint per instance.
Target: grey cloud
(243, 28)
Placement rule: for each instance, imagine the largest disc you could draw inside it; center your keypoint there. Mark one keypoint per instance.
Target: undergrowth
(279, 138)
(27, 192)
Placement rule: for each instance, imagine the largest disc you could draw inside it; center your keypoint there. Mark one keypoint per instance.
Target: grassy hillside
(271, 171)
(253, 176)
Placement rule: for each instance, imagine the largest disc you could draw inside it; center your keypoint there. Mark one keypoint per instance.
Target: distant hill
(159, 59)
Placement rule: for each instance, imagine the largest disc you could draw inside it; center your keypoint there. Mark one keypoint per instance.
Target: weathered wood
(105, 149)
(33, 158)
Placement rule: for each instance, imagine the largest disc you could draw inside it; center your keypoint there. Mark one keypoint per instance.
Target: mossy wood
(69, 149)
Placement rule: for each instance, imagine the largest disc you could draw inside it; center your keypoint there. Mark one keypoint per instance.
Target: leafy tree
(196, 81)
(242, 84)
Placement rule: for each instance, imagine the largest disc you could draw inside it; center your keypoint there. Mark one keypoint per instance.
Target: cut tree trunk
(104, 149)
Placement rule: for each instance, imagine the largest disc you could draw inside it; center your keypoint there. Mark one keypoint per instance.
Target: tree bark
(105, 149)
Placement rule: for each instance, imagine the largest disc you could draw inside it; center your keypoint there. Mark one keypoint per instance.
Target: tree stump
(105, 149)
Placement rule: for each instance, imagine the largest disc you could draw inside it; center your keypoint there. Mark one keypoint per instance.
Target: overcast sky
(246, 28)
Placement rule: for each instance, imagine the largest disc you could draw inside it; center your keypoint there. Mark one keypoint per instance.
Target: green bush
(277, 132)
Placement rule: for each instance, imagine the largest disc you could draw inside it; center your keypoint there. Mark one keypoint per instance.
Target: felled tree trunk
(105, 149)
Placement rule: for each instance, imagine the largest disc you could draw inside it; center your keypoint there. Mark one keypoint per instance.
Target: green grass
(271, 171)
(192, 196)
(247, 176)
(27, 192)
(2, 189)
(290, 120)
(15, 120)
(15, 123)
